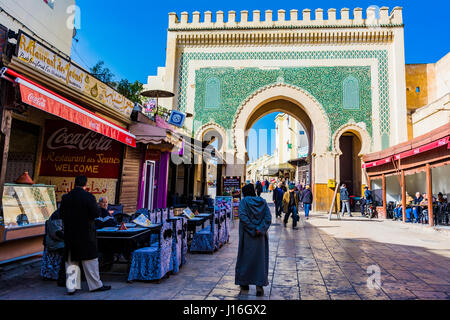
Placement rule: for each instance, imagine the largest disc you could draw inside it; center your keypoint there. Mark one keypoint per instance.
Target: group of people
(288, 199)
(418, 207)
(71, 233)
(261, 187)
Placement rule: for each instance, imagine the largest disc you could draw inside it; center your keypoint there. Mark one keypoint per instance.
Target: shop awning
(149, 134)
(39, 97)
(428, 147)
(377, 163)
(409, 153)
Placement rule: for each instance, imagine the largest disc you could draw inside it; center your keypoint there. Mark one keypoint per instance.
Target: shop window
(376, 187)
(212, 96)
(440, 180)
(22, 150)
(351, 93)
(393, 189)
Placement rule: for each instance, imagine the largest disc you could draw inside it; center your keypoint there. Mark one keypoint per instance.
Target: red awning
(48, 101)
(430, 146)
(427, 147)
(377, 163)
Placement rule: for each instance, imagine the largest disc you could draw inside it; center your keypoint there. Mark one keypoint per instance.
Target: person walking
(345, 198)
(307, 199)
(252, 265)
(78, 211)
(277, 198)
(290, 205)
(258, 188)
(266, 184)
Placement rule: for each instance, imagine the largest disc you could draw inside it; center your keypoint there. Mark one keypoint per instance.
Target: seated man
(398, 212)
(416, 210)
(424, 209)
(106, 218)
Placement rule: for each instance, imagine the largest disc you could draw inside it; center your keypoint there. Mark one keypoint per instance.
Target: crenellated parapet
(373, 16)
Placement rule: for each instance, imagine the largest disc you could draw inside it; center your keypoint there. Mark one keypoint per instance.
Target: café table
(114, 241)
(198, 220)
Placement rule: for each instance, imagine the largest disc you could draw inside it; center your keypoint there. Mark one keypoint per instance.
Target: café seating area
(166, 251)
(419, 214)
(154, 251)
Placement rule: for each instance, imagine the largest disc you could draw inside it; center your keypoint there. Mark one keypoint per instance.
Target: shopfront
(156, 144)
(414, 175)
(54, 128)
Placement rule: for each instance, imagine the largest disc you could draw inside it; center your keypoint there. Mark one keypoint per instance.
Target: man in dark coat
(78, 211)
(258, 188)
(252, 265)
(278, 199)
(307, 199)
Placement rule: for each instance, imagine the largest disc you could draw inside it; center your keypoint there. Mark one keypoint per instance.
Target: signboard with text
(36, 55)
(70, 150)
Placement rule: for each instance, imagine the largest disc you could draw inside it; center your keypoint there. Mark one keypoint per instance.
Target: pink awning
(377, 163)
(428, 147)
(147, 133)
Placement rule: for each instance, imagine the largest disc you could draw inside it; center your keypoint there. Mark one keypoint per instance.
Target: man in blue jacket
(345, 198)
(277, 198)
(366, 200)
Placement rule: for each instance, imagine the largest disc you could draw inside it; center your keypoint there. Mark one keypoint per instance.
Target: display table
(114, 241)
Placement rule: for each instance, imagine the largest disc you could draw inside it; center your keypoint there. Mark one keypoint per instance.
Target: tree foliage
(102, 73)
(130, 90)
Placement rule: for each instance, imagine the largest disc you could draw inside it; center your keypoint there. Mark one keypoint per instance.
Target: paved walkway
(321, 260)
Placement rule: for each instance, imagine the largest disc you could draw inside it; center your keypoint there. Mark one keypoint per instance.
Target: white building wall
(39, 20)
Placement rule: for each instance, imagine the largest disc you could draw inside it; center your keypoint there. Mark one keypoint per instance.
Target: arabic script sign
(97, 186)
(39, 57)
(70, 150)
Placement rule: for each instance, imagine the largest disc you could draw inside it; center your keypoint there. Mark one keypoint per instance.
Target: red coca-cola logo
(62, 139)
(39, 101)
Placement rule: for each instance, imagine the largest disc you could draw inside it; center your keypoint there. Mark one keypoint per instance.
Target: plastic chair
(153, 263)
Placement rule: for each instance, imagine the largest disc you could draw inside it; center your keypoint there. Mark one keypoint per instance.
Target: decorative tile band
(238, 84)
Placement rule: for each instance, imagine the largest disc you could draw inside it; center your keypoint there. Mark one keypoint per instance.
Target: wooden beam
(430, 196)
(403, 195)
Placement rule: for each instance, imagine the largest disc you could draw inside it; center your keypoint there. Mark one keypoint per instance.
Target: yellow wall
(416, 76)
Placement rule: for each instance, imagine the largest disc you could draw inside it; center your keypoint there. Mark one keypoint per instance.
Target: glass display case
(27, 205)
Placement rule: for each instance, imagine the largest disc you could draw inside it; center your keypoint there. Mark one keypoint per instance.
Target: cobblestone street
(321, 260)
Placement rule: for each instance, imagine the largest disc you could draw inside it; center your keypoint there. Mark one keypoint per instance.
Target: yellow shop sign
(40, 57)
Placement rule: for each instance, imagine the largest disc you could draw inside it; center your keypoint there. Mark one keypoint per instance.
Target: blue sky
(130, 36)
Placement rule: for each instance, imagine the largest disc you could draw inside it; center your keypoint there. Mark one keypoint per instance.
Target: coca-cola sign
(34, 100)
(62, 139)
(70, 150)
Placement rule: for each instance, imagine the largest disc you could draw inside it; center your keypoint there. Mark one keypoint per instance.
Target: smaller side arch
(359, 131)
(212, 126)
